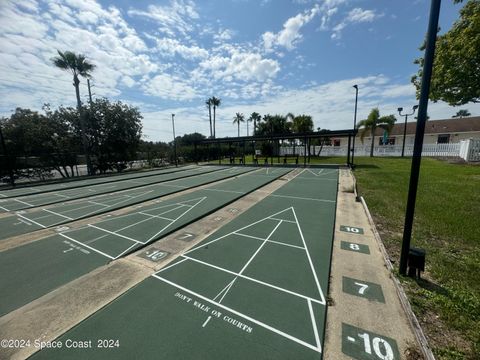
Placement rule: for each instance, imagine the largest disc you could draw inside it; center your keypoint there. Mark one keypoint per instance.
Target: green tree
(462, 113)
(374, 121)
(216, 102)
(239, 118)
(78, 65)
(302, 124)
(115, 130)
(255, 117)
(455, 77)
(209, 106)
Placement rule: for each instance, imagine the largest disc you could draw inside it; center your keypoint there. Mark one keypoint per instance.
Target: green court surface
(34, 269)
(46, 198)
(254, 289)
(75, 183)
(22, 223)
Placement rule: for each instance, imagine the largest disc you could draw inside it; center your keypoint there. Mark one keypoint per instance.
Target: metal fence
(433, 150)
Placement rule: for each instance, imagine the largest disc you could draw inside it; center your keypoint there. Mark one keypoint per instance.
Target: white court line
(259, 248)
(227, 191)
(61, 195)
(270, 241)
(314, 324)
(268, 327)
(97, 203)
(178, 217)
(43, 226)
(303, 198)
(2, 195)
(289, 221)
(24, 202)
(54, 213)
(125, 251)
(206, 321)
(321, 302)
(171, 265)
(319, 288)
(223, 236)
(155, 216)
(88, 247)
(1, 207)
(114, 233)
(95, 239)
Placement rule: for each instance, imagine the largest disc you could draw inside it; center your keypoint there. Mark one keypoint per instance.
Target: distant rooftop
(444, 126)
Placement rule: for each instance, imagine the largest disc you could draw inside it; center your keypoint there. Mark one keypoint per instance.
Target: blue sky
(268, 56)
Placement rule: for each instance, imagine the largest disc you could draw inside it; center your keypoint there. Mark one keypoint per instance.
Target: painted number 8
(354, 247)
(384, 354)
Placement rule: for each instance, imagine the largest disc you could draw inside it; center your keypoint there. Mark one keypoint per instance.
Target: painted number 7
(362, 289)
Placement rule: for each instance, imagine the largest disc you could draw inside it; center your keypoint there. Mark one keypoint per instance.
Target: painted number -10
(381, 347)
(352, 229)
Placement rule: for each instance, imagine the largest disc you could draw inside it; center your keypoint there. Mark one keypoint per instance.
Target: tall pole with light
(354, 122)
(400, 109)
(174, 141)
(420, 132)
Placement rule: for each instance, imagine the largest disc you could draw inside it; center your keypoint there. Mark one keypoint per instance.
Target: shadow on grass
(366, 166)
(430, 286)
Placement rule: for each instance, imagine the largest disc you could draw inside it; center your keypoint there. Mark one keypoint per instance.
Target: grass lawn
(447, 225)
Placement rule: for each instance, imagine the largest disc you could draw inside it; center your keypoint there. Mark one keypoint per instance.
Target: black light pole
(420, 132)
(354, 123)
(400, 109)
(174, 140)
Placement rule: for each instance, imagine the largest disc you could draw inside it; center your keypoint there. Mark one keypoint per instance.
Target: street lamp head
(415, 107)
(400, 109)
(355, 86)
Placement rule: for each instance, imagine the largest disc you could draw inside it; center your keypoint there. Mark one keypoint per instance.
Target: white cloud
(170, 47)
(170, 87)
(177, 17)
(290, 35)
(354, 16)
(240, 65)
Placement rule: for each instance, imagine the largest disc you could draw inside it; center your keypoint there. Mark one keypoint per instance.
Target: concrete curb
(412, 319)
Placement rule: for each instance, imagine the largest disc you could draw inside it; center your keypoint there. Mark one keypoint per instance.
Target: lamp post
(420, 132)
(354, 122)
(400, 109)
(174, 140)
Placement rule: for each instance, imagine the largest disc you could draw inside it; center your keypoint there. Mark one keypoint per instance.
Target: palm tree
(209, 105)
(78, 65)
(215, 102)
(239, 118)
(255, 117)
(371, 124)
(462, 113)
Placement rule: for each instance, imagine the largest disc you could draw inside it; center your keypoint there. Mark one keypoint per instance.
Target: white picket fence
(468, 150)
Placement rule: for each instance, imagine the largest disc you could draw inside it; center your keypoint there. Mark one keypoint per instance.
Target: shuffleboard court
(76, 183)
(22, 223)
(47, 198)
(254, 289)
(39, 267)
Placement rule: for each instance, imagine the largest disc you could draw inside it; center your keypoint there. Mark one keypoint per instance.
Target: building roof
(445, 126)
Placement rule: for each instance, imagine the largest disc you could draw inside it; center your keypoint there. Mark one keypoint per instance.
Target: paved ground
(76, 183)
(62, 195)
(257, 286)
(250, 280)
(40, 218)
(34, 269)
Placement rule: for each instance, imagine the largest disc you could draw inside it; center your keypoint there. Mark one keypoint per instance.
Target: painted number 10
(352, 229)
(380, 346)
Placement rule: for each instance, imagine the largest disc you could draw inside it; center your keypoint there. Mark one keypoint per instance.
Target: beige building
(445, 131)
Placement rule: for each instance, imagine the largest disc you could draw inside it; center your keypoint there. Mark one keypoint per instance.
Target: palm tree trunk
(238, 128)
(76, 83)
(373, 142)
(214, 121)
(210, 117)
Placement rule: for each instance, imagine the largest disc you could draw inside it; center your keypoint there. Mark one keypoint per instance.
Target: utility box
(416, 261)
